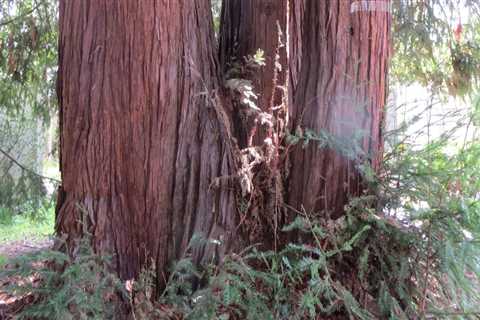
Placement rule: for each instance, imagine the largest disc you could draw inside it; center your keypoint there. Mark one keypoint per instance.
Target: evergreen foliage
(28, 62)
(66, 288)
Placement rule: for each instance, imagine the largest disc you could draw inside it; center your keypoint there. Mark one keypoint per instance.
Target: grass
(20, 227)
(15, 227)
(3, 261)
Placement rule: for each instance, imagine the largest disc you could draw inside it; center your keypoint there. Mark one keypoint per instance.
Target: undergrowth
(366, 265)
(408, 250)
(56, 286)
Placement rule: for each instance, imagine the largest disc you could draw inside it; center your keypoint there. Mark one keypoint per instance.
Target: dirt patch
(17, 248)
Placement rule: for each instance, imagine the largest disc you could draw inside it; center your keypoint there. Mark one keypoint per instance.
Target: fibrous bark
(337, 67)
(340, 90)
(248, 26)
(141, 141)
(296, 11)
(148, 155)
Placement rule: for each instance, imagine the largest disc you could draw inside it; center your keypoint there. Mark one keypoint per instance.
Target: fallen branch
(12, 159)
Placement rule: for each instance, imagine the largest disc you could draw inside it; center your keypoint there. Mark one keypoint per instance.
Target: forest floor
(22, 234)
(17, 248)
(19, 236)
(10, 304)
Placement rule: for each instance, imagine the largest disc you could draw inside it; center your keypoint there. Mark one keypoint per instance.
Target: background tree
(436, 45)
(28, 58)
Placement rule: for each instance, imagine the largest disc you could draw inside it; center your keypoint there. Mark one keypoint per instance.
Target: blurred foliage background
(28, 62)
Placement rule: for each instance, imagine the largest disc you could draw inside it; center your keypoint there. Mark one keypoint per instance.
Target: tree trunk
(340, 91)
(148, 152)
(247, 26)
(143, 136)
(337, 68)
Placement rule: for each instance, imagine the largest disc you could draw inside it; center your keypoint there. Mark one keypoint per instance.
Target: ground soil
(17, 248)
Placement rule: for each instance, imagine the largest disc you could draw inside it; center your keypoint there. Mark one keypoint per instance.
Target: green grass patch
(3, 261)
(26, 226)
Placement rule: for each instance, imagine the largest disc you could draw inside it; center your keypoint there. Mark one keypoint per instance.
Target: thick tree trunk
(340, 89)
(142, 141)
(337, 68)
(147, 151)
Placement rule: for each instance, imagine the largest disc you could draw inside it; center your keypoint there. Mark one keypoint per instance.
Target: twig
(29, 12)
(12, 159)
(453, 313)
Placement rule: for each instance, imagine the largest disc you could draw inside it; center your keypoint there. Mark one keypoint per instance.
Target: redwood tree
(149, 151)
(141, 141)
(340, 89)
(338, 55)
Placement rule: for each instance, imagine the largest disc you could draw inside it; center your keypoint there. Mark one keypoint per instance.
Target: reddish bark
(337, 68)
(341, 89)
(143, 146)
(141, 141)
(295, 28)
(249, 25)
(246, 26)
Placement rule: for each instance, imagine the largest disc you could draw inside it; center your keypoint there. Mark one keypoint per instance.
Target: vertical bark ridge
(295, 17)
